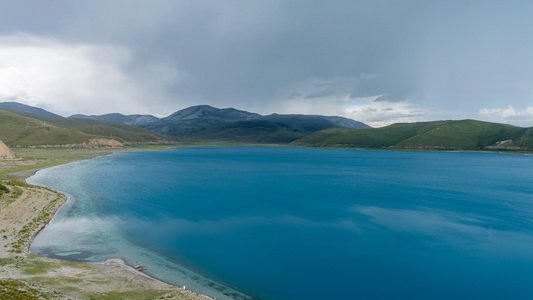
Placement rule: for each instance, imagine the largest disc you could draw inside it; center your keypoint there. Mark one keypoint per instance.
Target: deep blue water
(297, 223)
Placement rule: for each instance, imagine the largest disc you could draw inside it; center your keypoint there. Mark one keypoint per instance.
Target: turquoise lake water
(299, 223)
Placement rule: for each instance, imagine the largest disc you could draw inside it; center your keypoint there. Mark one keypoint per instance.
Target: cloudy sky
(379, 61)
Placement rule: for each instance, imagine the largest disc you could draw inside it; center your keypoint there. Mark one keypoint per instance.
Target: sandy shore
(24, 211)
(23, 175)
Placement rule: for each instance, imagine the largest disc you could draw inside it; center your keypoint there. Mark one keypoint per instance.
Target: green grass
(3, 189)
(25, 168)
(35, 267)
(78, 265)
(59, 153)
(131, 295)
(14, 195)
(20, 128)
(463, 135)
(11, 289)
(24, 131)
(108, 129)
(381, 137)
(10, 196)
(49, 157)
(7, 261)
(322, 135)
(69, 289)
(526, 138)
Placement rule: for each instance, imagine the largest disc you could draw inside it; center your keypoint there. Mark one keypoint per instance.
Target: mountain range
(134, 120)
(26, 125)
(204, 122)
(27, 108)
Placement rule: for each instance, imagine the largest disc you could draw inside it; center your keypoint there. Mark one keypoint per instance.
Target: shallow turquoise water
(296, 223)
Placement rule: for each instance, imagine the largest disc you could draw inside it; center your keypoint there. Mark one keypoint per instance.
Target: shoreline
(25, 174)
(109, 266)
(114, 269)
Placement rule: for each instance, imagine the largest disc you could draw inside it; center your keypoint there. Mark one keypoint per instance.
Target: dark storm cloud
(456, 57)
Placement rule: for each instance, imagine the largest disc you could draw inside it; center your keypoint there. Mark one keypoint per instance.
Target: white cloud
(335, 97)
(382, 113)
(504, 113)
(75, 78)
(520, 117)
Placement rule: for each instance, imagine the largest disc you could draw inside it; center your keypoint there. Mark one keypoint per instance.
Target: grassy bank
(49, 157)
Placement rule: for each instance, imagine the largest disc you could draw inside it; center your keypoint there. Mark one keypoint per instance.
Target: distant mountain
(32, 126)
(203, 121)
(219, 115)
(193, 123)
(253, 131)
(188, 121)
(32, 109)
(135, 120)
(462, 135)
(273, 128)
(22, 128)
(314, 122)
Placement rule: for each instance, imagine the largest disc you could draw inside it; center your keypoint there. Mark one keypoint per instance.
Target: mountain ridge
(191, 121)
(22, 128)
(28, 108)
(197, 111)
(134, 120)
(206, 123)
(446, 135)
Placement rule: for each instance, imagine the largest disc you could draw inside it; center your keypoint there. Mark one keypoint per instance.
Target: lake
(301, 223)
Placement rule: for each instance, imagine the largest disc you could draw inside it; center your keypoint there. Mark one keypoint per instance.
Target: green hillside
(322, 135)
(313, 123)
(251, 132)
(464, 134)
(23, 128)
(380, 137)
(29, 129)
(191, 123)
(23, 131)
(184, 129)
